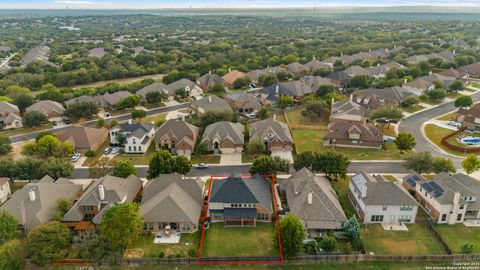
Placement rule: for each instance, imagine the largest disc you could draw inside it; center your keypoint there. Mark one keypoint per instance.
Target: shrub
(90, 153)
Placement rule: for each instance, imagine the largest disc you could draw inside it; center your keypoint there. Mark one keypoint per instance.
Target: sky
(149, 4)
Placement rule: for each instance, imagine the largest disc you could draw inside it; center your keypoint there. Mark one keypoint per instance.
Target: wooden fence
(456, 147)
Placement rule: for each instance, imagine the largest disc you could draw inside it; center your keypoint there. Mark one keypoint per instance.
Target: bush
(328, 243)
(90, 153)
(192, 252)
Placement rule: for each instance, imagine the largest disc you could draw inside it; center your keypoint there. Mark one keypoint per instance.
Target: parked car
(454, 123)
(201, 166)
(107, 150)
(115, 150)
(106, 114)
(54, 123)
(75, 157)
(388, 139)
(67, 121)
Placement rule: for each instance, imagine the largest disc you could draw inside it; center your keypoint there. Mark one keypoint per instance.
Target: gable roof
(30, 213)
(241, 99)
(176, 129)
(296, 67)
(316, 64)
(172, 198)
(83, 137)
(236, 189)
(324, 210)
(472, 69)
(353, 71)
(114, 98)
(451, 72)
(180, 84)
(254, 75)
(154, 87)
(8, 107)
(290, 88)
(224, 130)
(271, 129)
(341, 130)
(47, 107)
(83, 98)
(348, 110)
(137, 130)
(209, 80)
(117, 190)
(212, 103)
(339, 76)
(232, 76)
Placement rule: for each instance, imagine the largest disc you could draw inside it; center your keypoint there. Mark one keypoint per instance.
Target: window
(133, 141)
(129, 149)
(135, 149)
(459, 217)
(404, 218)
(217, 215)
(462, 206)
(406, 207)
(444, 217)
(384, 208)
(139, 148)
(377, 218)
(354, 142)
(87, 208)
(150, 226)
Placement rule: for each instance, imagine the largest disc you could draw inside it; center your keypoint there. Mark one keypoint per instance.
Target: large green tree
(123, 168)
(292, 234)
(463, 102)
(405, 141)
(5, 146)
(47, 242)
(121, 224)
(471, 163)
(265, 164)
(8, 227)
(12, 255)
(34, 119)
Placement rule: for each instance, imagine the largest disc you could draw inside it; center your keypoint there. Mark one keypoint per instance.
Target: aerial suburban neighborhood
(282, 138)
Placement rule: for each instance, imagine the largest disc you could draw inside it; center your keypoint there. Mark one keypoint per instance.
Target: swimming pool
(471, 141)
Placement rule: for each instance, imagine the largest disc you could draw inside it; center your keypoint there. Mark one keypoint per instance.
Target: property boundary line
(240, 262)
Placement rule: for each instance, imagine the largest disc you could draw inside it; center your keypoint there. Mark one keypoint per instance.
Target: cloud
(74, 2)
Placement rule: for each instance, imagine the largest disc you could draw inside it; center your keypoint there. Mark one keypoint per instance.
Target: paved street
(413, 124)
(30, 136)
(380, 167)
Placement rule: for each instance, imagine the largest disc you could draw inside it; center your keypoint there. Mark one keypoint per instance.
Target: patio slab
(394, 227)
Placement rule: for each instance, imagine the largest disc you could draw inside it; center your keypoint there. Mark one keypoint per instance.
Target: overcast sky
(142, 4)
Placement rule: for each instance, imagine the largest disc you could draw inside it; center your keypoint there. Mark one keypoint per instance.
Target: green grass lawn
(414, 108)
(281, 117)
(475, 84)
(295, 117)
(98, 153)
(390, 178)
(341, 188)
(453, 95)
(138, 159)
(416, 241)
(247, 158)
(312, 140)
(456, 235)
(258, 241)
(153, 118)
(447, 117)
(388, 130)
(209, 159)
(435, 135)
(187, 242)
(24, 130)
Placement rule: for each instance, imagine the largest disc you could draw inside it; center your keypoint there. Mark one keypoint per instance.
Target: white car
(106, 114)
(454, 124)
(75, 157)
(115, 150)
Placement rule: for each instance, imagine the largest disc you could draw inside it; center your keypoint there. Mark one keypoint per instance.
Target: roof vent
(101, 192)
(310, 198)
(31, 195)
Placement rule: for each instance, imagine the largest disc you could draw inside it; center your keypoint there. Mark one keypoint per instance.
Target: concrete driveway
(231, 159)
(283, 154)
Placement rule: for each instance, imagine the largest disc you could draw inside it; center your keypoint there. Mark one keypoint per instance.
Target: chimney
(378, 64)
(152, 122)
(129, 121)
(341, 53)
(394, 46)
(277, 89)
(310, 198)
(274, 117)
(31, 195)
(351, 97)
(454, 51)
(210, 99)
(430, 72)
(183, 117)
(369, 50)
(333, 100)
(209, 72)
(101, 192)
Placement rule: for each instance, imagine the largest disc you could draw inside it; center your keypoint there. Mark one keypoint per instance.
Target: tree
(467, 248)
(183, 165)
(405, 141)
(389, 113)
(28, 169)
(262, 113)
(285, 101)
(100, 122)
(47, 242)
(420, 162)
(12, 255)
(139, 114)
(56, 168)
(410, 101)
(155, 97)
(325, 89)
(48, 146)
(328, 243)
(5, 146)
(471, 163)
(463, 102)
(8, 167)
(266, 80)
(63, 206)
(201, 149)
(456, 85)
(332, 164)
(101, 167)
(314, 110)
(42, 134)
(292, 234)
(180, 93)
(269, 165)
(443, 165)
(211, 117)
(305, 159)
(123, 168)
(162, 163)
(121, 138)
(128, 102)
(241, 82)
(255, 147)
(121, 224)
(8, 227)
(352, 230)
(23, 101)
(359, 81)
(34, 119)
(100, 250)
(81, 110)
(436, 94)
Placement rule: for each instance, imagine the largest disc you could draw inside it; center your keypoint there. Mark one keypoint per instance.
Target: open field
(220, 241)
(120, 81)
(458, 234)
(416, 241)
(312, 140)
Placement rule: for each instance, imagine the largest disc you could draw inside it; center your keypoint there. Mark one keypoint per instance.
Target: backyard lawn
(220, 241)
(416, 241)
(388, 130)
(341, 188)
(187, 242)
(456, 235)
(435, 135)
(295, 117)
(312, 140)
(280, 117)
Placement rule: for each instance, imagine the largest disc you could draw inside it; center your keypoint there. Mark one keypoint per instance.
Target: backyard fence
(310, 259)
(456, 147)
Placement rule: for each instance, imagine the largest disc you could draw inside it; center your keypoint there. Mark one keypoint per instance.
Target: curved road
(123, 117)
(414, 123)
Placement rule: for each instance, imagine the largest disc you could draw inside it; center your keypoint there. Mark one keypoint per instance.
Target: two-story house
(136, 138)
(450, 199)
(10, 116)
(240, 202)
(377, 200)
(354, 135)
(469, 117)
(101, 195)
(177, 136)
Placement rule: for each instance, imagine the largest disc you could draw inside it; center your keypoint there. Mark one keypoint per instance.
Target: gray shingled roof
(235, 189)
(270, 129)
(347, 110)
(47, 107)
(114, 98)
(154, 87)
(137, 130)
(212, 103)
(224, 130)
(8, 107)
(324, 211)
(172, 198)
(47, 194)
(176, 129)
